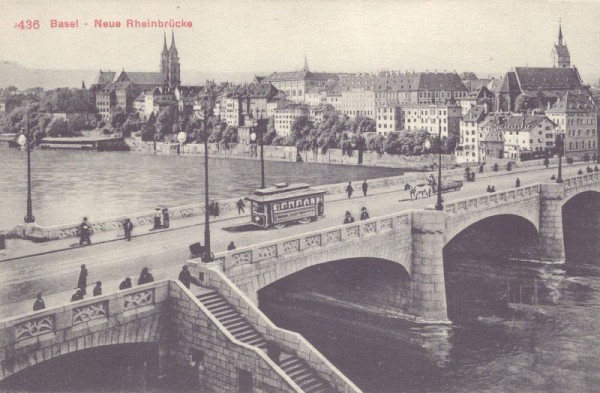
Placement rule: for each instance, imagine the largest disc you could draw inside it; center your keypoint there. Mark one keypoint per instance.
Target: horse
(424, 190)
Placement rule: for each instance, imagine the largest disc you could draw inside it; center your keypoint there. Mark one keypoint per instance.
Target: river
(68, 185)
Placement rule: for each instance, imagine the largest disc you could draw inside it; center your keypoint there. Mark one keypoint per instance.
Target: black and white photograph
(264, 196)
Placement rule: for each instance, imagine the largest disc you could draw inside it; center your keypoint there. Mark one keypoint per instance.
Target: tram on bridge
(286, 203)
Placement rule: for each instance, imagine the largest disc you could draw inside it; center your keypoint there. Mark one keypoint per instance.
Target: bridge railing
(582, 179)
(486, 201)
(228, 260)
(42, 335)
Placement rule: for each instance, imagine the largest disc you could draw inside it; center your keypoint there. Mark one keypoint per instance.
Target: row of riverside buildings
(523, 112)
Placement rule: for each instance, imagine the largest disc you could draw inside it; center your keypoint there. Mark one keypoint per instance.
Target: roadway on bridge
(56, 274)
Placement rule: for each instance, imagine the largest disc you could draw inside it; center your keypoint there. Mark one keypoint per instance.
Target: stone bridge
(413, 239)
(185, 333)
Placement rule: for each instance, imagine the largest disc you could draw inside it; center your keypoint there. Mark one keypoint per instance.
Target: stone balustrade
(582, 179)
(491, 200)
(129, 316)
(321, 238)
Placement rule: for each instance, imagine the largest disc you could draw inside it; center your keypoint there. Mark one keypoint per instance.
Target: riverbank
(291, 154)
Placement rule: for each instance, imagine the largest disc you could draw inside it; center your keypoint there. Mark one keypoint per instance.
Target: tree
(77, 123)
(58, 128)
(148, 132)
(165, 119)
(118, 117)
(230, 135)
(376, 144)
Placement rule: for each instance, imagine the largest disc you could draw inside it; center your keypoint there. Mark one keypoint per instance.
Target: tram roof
(280, 192)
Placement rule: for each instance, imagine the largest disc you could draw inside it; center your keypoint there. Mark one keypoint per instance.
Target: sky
(262, 36)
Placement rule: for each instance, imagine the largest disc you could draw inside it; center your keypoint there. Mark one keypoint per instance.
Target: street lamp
(207, 256)
(253, 138)
(560, 144)
(24, 140)
(439, 205)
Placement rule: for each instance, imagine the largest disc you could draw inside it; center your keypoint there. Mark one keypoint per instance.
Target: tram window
(276, 207)
(260, 208)
(284, 205)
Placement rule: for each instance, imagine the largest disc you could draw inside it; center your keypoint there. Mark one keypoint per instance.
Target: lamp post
(560, 146)
(207, 256)
(253, 138)
(439, 205)
(24, 140)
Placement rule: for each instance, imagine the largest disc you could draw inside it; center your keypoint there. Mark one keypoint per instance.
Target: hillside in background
(12, 73)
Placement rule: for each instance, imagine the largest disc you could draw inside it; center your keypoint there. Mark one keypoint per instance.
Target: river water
(68, 185)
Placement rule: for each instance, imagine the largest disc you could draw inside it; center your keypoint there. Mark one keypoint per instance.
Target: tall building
(560, 53)
(575, 117)
(297, 84)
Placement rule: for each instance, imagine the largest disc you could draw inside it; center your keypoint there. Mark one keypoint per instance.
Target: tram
(286, 203)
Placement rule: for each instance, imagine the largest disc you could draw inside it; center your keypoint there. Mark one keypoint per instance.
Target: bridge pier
(428, 289)
(551, 245)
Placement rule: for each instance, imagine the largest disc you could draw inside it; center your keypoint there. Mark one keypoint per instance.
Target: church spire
(173, 41)
(164, 41)
(560, 35)
(305, 68)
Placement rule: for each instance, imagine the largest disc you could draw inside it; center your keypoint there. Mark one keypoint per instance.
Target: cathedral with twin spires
(169, 63)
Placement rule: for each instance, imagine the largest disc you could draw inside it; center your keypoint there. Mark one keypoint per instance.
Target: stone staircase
(241, 329)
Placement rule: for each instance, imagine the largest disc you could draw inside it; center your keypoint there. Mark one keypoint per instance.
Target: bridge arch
(508, 234)
(394, 245)
(455, 226)
(570, 197)
(369, 284)
(581, 227)
(38, 349)
(100, 365)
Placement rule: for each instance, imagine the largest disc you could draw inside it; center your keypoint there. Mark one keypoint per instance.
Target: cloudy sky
(267, 35)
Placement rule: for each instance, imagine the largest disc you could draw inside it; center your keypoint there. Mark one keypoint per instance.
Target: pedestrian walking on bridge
(240, 206)
(84, 232)
(39, 303)
(82, 281)
(127, 228)
(166, 219)
(365, 187)
(185, 276)
(78, 295)
(97, 289)
(364, 214)
(125, 284)
(518, 183)
(231, 246)
(145, 277)
(349, 189)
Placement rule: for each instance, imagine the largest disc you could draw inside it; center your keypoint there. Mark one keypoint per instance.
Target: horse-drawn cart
(452, 185)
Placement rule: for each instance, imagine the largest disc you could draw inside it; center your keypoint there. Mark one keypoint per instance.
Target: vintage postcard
(299, 196)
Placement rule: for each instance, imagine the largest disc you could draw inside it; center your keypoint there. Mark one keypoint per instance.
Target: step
(219, 307)
(214, 302)
(231, 319)
(224, 313)
(234, 325)
(258, 342)
(240, 329)
(301, 374)
(316, 383)
(247, 335)
(209, 296)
